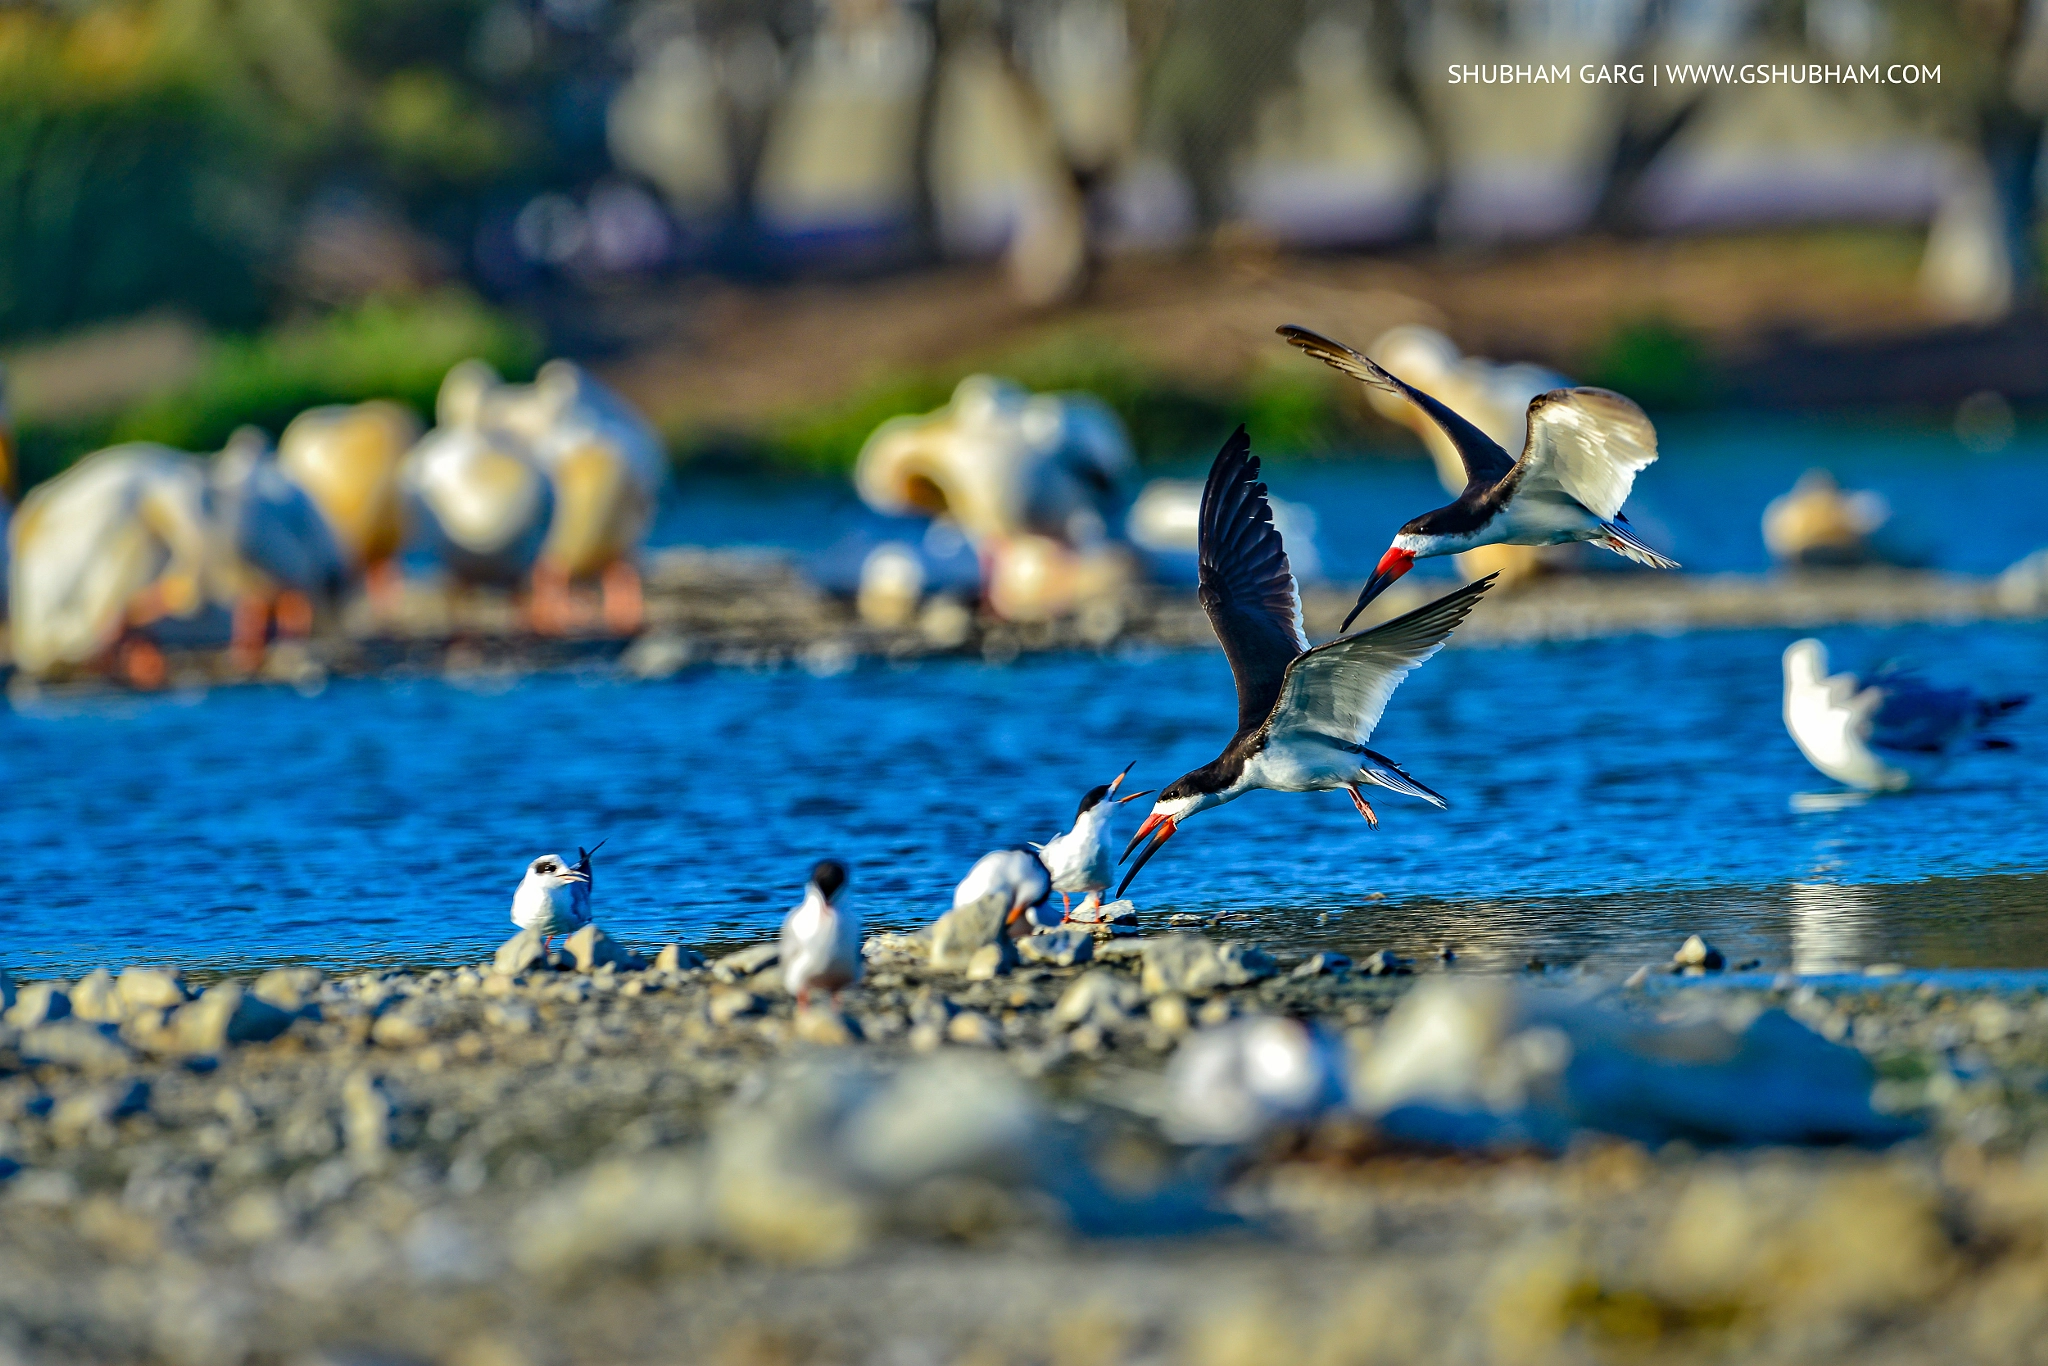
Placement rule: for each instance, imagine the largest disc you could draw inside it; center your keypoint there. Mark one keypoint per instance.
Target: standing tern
(1078, 861)
(821, 936)
(1303, 715)
(1880, 732)
(553, 897)
(1019, 877)
(1583, 451)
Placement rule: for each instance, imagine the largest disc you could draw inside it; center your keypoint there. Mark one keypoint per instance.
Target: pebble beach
(980, 1154)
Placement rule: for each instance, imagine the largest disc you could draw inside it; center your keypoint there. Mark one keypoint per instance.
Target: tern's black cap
(828, 877)
(1092, 800)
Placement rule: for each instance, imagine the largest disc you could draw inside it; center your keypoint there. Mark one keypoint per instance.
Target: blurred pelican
(346, 457)
(1492, 396)
(1027, 477)
(1818, 522)
(116, 542)
(1883, 732)
(477, 493)
(1000, 460)
(606, 464)
(274, 552)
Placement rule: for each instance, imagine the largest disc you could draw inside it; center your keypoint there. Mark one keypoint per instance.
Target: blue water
(1607, 797)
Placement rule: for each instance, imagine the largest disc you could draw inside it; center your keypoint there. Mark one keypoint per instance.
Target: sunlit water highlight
(1607, 798)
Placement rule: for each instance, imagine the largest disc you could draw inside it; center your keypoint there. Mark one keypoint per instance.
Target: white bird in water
(1303, 715)
(1882, 732)
(553, 897)
(1079, 861)
(1019, 878)
(821, 936)
(1584, 449)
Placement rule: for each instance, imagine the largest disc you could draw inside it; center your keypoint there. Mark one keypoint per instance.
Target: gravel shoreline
(666, 1161)
(756, 609)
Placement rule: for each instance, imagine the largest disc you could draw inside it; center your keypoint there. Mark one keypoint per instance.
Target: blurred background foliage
(341, 196)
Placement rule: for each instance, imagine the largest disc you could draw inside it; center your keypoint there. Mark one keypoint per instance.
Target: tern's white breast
(551, 910)
(1079, 859)
(820, 944)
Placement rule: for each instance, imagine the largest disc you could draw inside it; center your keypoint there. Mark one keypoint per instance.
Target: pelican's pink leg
(624, 601)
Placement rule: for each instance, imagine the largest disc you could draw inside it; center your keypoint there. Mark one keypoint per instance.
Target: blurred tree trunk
(1218, 61)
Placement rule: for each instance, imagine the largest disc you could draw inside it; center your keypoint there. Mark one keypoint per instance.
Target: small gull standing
(1883, 732)
(821, 936)
(553, 898)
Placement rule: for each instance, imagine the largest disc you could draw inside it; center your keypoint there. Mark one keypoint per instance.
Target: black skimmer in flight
(1303, 715)
(1078, 860)
(1584, 449)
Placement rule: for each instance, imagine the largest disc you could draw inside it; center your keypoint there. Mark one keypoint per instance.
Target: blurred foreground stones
(1173, 1149)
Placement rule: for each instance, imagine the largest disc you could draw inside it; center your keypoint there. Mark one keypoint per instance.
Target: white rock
(959, 932)
(75, 1043)
(737, 966)
(1058, 948)
(289, 989)
(593, 949)
(97, 998)
(162, 988)
(1232, 1084)
(226, 1014)
(518, 954)
(39, 1003)
(1096, 995)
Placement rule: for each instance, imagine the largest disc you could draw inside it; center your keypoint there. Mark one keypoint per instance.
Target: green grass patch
(1169, 419)
(1656, 362)
(393, 349)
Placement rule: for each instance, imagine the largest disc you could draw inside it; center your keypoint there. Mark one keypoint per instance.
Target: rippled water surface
(1607, 797)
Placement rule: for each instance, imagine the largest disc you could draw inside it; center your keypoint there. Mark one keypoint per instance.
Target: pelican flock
(537, 487)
